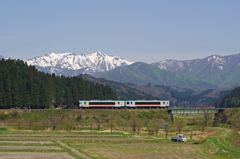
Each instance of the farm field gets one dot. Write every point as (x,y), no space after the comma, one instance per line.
(114,134)
(31,145)
(140,150)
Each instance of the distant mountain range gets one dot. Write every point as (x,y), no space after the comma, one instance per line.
(223,71)
(70,64)
(141,73)
(211,72)
(177,96)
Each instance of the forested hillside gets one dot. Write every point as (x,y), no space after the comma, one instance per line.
(124,91)
(178,96)
(141,73)
(24,86)
(230,100)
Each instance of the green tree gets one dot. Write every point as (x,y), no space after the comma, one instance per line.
(16,101)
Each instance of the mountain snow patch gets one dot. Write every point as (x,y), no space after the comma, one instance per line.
(68,64)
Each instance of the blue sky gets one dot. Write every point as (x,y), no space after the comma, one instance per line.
(136,30)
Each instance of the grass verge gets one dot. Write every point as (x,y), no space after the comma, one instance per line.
(221,144)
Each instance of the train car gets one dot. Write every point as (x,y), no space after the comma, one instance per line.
(128,104)
(147,104)
(101,104)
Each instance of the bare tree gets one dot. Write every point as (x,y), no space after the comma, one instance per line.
(15,113)
(3,116)
(70,123)
(235,120)
(112,123)
(154,125)
(70,120)
(139,125)
(180,124)
(159,122)
(20,123)
(207,117)
(54,121)
(133,123)
(151,127)
(168,128)
(99,120)
(125,114)
(202,125)
(122,122)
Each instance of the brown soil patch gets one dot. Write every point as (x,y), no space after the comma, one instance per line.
(56,135)
(30,147)
(35,155)
(63,138)
(236,143)
(28,142)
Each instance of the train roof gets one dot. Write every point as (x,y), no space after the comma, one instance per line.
(100,100)
(123,100)
(146,100)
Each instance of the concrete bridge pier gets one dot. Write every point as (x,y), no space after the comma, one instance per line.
(171,116)
(172,119)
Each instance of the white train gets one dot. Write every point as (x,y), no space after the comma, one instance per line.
(124,104)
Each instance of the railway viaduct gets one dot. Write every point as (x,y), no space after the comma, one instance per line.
(215,111)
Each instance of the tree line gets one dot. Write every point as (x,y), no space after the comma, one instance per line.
(23,86)
(230,100)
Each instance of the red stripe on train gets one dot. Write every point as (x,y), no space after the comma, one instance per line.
(147,104)
(103,104)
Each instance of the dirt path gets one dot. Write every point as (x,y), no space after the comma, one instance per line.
(73,150)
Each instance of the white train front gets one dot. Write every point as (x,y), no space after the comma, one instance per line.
(124,104)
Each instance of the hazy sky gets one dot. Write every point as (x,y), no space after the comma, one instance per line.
(136,30)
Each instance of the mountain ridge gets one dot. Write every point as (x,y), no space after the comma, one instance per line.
(214,69)
(141,73)
(71,64)
(178,96)
(222,71)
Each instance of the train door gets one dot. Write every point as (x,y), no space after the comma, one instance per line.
(130,104)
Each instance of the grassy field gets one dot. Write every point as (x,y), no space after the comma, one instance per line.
(36,144)
(89,142)
(140,149)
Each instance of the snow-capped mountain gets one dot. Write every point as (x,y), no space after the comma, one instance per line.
(214,69)
(70,64)
(211,63)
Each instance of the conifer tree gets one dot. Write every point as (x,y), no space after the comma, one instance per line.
(25,87)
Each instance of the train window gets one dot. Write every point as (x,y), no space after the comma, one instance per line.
(163,102)
(131,102)
(118,102)
(127,102)
(84,102)
(145,103)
